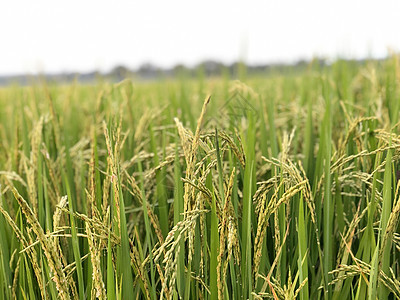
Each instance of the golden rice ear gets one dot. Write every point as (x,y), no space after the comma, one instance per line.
(49,248)
(95,257)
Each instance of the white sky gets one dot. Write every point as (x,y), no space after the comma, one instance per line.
(54,36)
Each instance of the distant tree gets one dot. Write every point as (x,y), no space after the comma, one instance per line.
(148,70)
(120,72)
(180,70)
(210,67)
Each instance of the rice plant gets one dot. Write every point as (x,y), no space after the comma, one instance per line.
(279,186)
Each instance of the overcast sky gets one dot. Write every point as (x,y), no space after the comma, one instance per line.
(84,35)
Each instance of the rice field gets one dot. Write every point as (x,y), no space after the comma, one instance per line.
(281,187)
